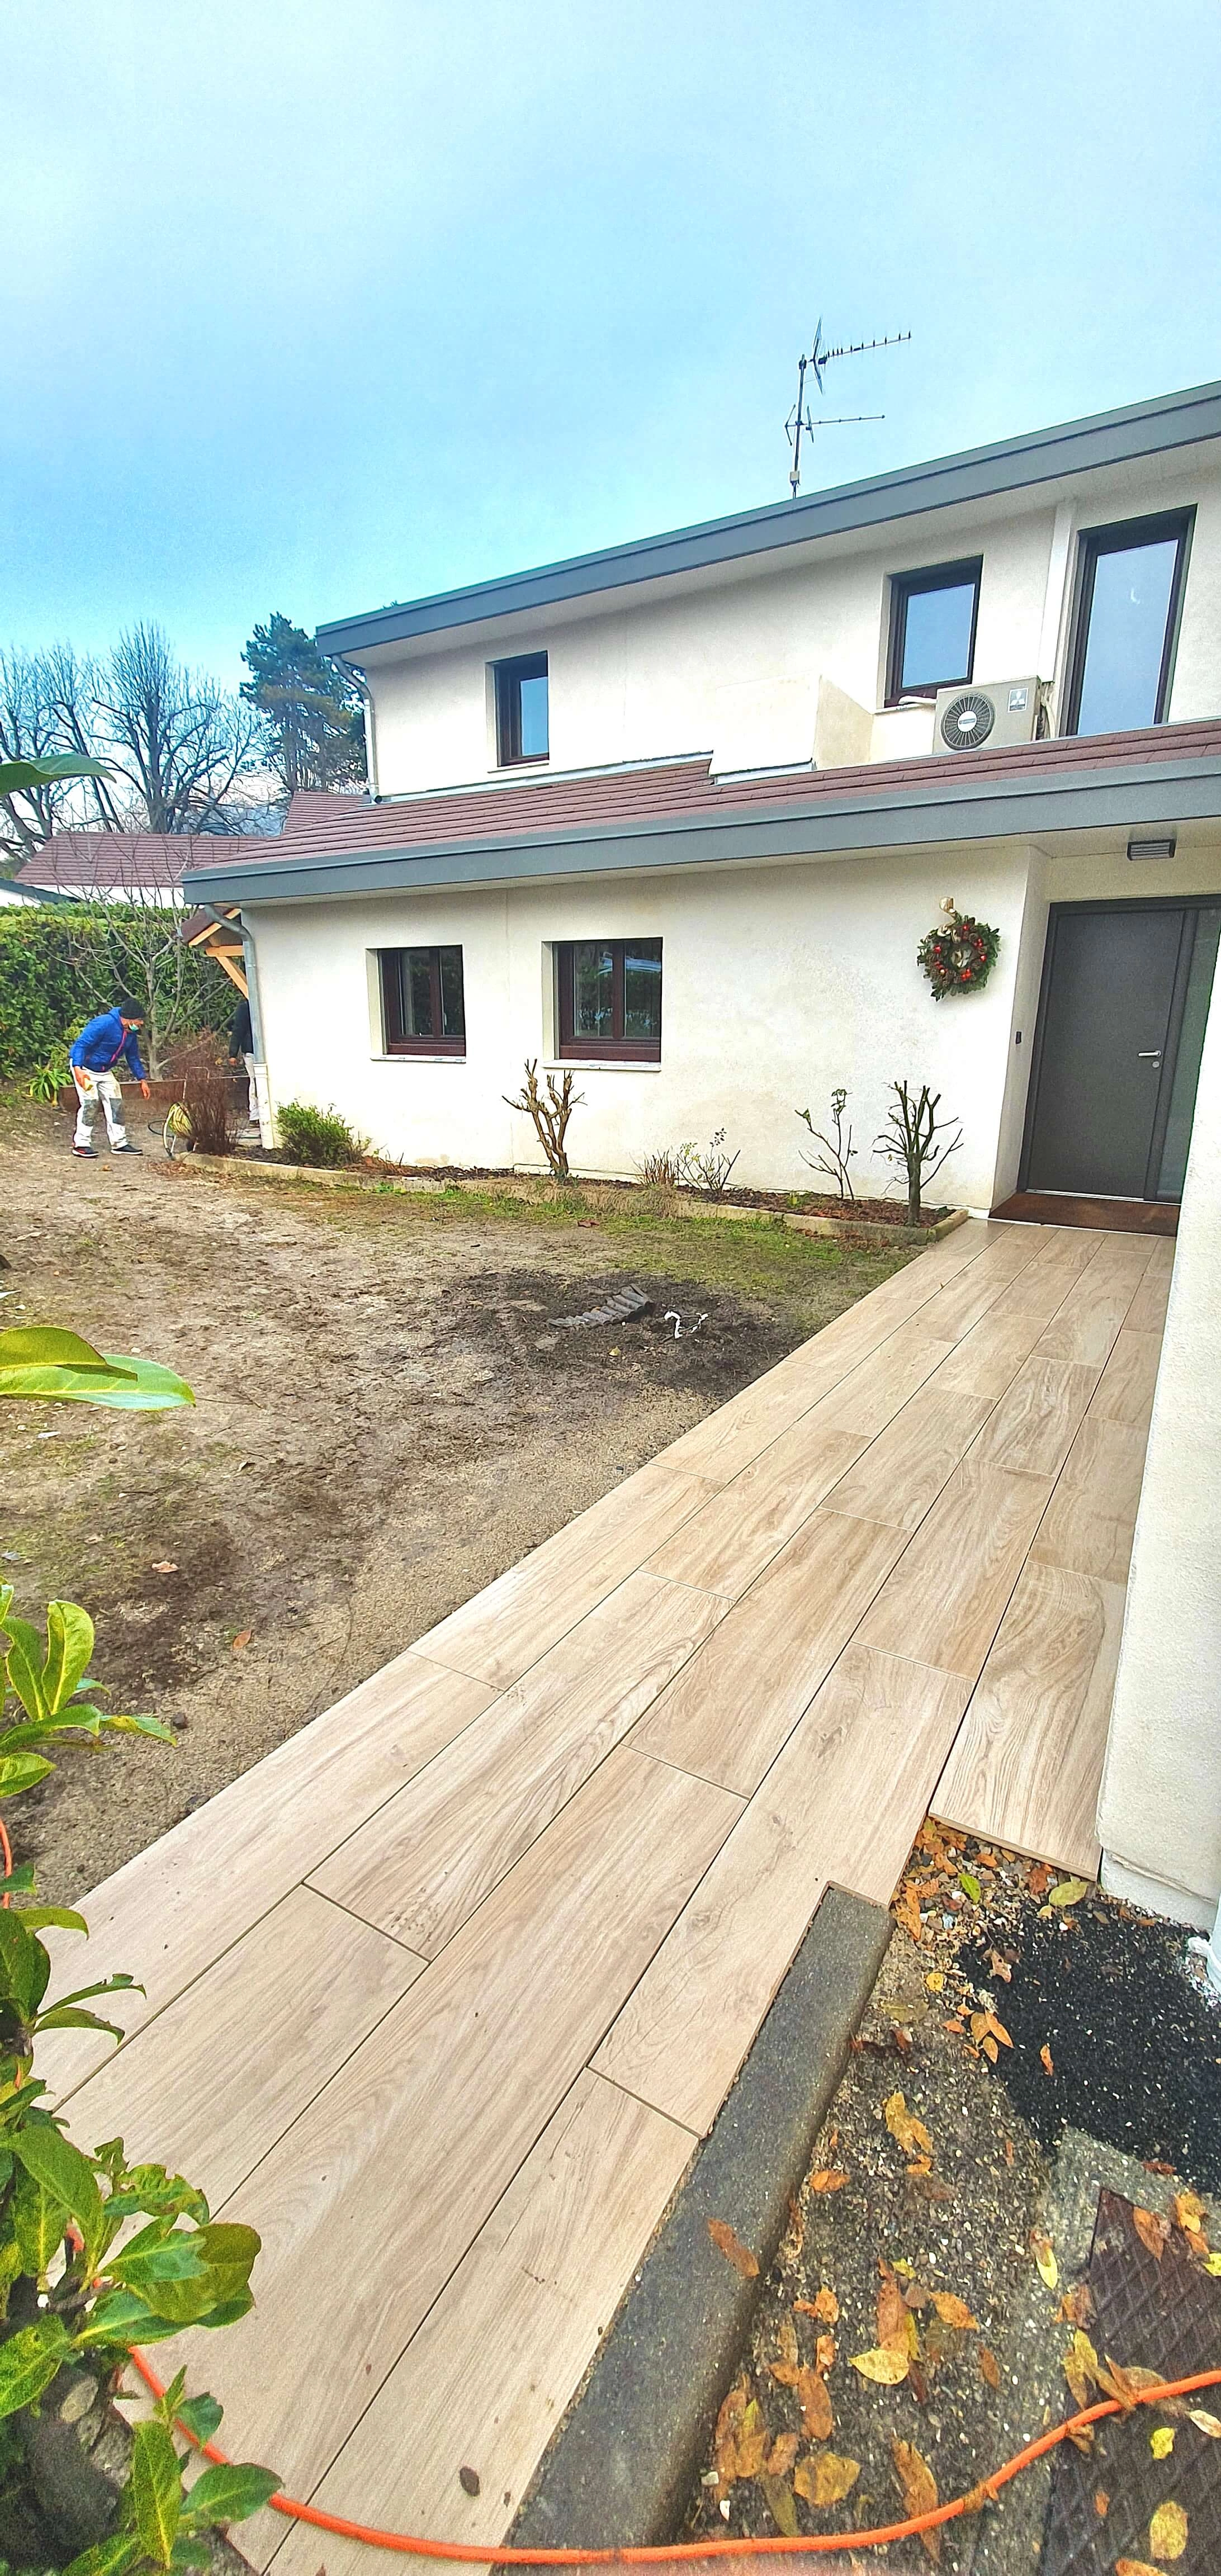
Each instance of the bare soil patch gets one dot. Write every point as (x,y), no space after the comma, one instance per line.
(386,1418)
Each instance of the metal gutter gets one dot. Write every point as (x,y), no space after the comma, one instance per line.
(970,810)
(1010,465)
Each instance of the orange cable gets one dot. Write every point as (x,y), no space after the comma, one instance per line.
(771,2545)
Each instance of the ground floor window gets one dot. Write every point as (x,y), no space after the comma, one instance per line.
(423,1007)
(610,999)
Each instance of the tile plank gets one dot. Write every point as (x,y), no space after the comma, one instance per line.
(1027,1763)
(902,1472)
(1035,1423)
(427,1858)
(177,1907)
(1125,1389)
(1089,1521)
(944,1602)
(209,2087)
(1147,1312)
(729,1712)
(727,1543)
(842,1802)
(881,1384)
(386,2179)
(548,2267)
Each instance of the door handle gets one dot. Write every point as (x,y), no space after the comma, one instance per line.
(1148,1055)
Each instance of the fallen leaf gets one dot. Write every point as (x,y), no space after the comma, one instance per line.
(1161,2441)
(782,2454)
(733,2249)
(989,2047)
(892,2312)
(1082,2438)
(1046,2060)
(919,2490)
(970,1885)
(977,2497)
(815,2403)
(929,2187)
(935,1980)
(241,1641)
(1152,2231)
(1155,2164)
(824,2354)
(1212,2265)
(1076,2307)
(1135,2567)
(166,1566)
(1048,2268)
(1081,2367)
(1000,1967)
(907,1912)
(1010,2152)
(920,2165)
(789,2363)
(955,2025)
(989,2366)
(1102,2503)
(1039,1878)
(886,2364)
(1204,2422)
(1189,2213)
(826,2479)
(1168,2531)
(825,2306)
(908,2132)
(778,2496)
(1069,1892)
(952,2311)
(829,2178)
(1125,2385)
(741,2436)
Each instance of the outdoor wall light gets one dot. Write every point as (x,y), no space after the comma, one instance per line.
(1161,848)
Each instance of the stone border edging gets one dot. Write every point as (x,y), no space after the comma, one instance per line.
(619,2470)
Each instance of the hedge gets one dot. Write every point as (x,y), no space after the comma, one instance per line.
(59,966)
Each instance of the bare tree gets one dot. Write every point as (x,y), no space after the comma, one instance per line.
(136,942)
(186,750)
(29,730)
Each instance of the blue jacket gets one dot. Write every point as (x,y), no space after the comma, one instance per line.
(102,1042)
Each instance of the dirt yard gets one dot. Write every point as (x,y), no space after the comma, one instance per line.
(386,1418)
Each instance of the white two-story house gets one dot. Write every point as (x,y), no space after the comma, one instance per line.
(678,814)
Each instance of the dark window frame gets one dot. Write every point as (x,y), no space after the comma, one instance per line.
(507,678)
(909,585)
(1114,538)
(394,1039)
(613,1050)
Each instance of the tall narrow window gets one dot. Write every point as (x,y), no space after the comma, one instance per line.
(521,709)
(423,1008)
(1129,592)
(610,999)
(932,629)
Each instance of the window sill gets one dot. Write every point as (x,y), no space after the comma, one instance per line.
(602,1064)
(449,1057)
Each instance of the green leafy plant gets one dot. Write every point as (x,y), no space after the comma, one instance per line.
(549,1113)
(318,1136)
(49,1079)
(40,1360)
(838,1149)
(77,2287)
(909,1139)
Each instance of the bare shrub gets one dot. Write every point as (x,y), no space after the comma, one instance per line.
(660,1171)
(708,1167)
(909,1140)
(207,1094)
(550,1114)
(838,1150)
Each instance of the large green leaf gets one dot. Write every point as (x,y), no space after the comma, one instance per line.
(29,2361)
(230,2494)
(122,2319)
(108,2558)
(53,2161)
(24,1965)
(156,2490)
(69,1647)
(24,1662)
(153,2258)
(39,2218)
(20,1771)
(130,1385)
(151,2189)
(18,775)
(200,2417)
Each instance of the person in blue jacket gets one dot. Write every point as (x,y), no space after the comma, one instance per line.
(103,1043)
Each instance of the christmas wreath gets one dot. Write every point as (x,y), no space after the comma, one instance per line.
(959,955)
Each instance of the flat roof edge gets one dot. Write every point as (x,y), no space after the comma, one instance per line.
(1013,464)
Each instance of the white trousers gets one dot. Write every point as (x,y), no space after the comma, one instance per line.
(248,1061)
(90,1088)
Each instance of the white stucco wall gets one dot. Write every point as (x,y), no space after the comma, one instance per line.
(729,663)
(778,983)
(1159,1814)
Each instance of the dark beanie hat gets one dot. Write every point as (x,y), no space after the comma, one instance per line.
(128,1008)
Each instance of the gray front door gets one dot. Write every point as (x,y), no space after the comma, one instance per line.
(1120,1016)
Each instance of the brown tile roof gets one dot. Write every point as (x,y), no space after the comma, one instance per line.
(320,824)
(108,862)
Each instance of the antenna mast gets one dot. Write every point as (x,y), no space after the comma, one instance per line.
(799,419)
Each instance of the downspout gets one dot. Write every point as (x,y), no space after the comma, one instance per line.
(261,1086)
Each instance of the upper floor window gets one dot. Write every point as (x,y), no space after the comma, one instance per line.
(932,629)
(423,1007)
(1129,592)
(610,999)
(521,709)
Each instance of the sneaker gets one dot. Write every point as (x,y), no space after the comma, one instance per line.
(85,1152)
(128,1149)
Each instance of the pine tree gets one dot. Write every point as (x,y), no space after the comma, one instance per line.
(311,708)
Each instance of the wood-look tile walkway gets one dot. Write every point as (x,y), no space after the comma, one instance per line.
(442,1995)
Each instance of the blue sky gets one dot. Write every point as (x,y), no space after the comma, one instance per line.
(310,306)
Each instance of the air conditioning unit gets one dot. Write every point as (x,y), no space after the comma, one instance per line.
(994,712)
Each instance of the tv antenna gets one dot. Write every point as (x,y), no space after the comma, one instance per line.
(820,357)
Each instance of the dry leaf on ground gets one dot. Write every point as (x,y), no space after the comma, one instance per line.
(166,1565)
(1204,2422)
(241,1641)
(1046,2060)
(1081,2367)
(733,2249)
(1189,2212)
(1102,2503)
(886,2364)
(1069,1892)
(825,2307)
(782,2454)
(741,2438)
(1152,2231)
(1135,2567)
(815,2404)
(989,2366)
(778,2496)
(1076,2307)
(787,2366)
(919,2490)
(1168,2532)
(952,2311)
(908,2132)
(1161,2441)
(1048,2268)
(907,1912)
(824,2353)
(826,2479)
(828,2178)
(892,2310)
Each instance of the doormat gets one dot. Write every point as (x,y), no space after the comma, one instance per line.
(1159,2312)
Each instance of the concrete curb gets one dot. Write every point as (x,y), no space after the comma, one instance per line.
(619,2470)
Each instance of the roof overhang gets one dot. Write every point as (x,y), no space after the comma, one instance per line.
(1011,465)
(948,811)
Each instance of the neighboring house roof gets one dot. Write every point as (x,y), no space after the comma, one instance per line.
(109,862)
(676,814)
(12,892)
(1011,465)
